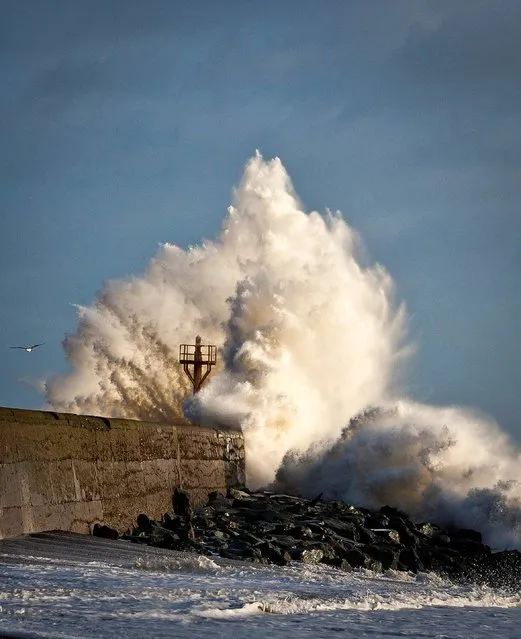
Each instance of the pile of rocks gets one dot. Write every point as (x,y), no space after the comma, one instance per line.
(264,527)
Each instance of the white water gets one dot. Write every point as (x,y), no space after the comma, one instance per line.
(308,337)
(63,586)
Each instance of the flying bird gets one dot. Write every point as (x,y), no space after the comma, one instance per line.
(28,349)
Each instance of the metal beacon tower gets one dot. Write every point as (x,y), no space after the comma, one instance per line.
(195,358)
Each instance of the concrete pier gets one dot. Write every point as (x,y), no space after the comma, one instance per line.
(60,471)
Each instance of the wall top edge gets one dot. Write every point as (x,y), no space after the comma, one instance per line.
(24,416)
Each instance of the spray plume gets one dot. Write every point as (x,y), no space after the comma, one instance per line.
(309,337)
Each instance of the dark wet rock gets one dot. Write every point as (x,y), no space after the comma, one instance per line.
(385,555)
(157,536)
(273,554)
(182,526)
(373,564)
(328,551)
(336,508)
(220,534)
(238,549)
(268,527)
(442,561)
(251,504)
(235,493)
(427,529)
(376,520)
(406,533)
(345,529)
(104,531)
(169,522)
(283,541)
(464,534)
(355,557)
(262,513)
(181,503)
(469,548)
(143,522)
(387,534)
(366,536)
(341,564)
(393,513)
(307,555)
(440,539)
(264,527)
(301,532)
(409,560)
(170,541)
(249,538)
(221,503)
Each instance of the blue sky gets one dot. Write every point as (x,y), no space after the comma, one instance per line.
(126,124)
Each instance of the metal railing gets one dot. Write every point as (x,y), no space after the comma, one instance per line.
(190,353)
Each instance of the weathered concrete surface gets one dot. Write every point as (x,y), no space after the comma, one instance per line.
(65,472)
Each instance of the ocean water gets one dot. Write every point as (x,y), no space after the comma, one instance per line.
(59,585)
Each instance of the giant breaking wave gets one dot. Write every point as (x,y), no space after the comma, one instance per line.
(311,345)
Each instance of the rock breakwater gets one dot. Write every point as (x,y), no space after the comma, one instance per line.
(264,527)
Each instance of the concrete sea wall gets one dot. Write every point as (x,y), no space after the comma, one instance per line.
(66,472)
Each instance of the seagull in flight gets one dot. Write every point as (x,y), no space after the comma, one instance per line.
(28,349)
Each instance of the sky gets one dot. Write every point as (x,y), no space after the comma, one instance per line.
(126,124)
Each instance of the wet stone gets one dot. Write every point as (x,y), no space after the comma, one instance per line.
(465,534)
(267,527)
(376,521)
(387,534)
(308,556)
(273,554)
(286,541)
(428,529)
(405,532)
(387,557)
(143,522)
(393,512)
(235,493)
(341,564)
(366,536)
(104,531)
(221,502)
(181,503)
